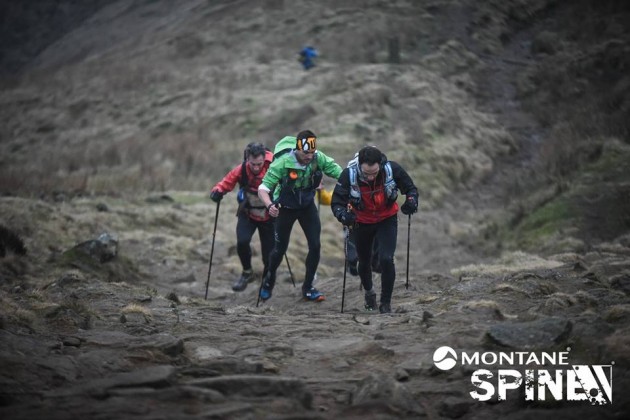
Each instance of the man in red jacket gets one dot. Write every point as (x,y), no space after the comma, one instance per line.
(365,200)
(252,213)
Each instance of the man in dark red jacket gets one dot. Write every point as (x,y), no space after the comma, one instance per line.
(252,213)
(364,199)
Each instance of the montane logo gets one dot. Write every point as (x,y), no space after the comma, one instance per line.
(589,383)
(445,358)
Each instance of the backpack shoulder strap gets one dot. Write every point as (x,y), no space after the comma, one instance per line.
(352,173)
(391,189)
(353,166)
(244,180)
(314,162)
(389,174)
(355,191)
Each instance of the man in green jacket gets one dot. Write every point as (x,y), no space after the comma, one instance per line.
(288,192)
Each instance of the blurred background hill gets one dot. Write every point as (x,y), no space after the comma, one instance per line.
(522,105)
(512,117)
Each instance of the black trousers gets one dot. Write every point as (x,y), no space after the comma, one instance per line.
(308,218)
(387,233)
(245,228)
(351,251)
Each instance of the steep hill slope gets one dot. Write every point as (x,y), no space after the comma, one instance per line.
(510,116)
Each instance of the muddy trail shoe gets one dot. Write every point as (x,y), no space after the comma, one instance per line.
(265,291)
(385,308)
(267,287)
(313,295)
(370,300)
(241,283)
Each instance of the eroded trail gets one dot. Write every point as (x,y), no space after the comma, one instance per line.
(133,338)
(151,347)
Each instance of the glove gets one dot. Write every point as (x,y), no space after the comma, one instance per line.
(410,206)
(346,217)
(216,196)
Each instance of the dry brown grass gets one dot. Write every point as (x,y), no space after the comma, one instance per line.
(489,307)
(617,314)
(134,308)
(509,288)
(508,263)
(13,313)
(565,150)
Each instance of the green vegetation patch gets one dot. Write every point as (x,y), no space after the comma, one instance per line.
(612,166)
(594,207)
(551,219)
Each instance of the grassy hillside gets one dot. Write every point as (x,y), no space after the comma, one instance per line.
(118,117)
(513,103)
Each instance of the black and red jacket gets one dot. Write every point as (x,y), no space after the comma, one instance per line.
(374,206)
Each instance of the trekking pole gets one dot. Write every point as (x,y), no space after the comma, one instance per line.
(408,241)
(345,267)
(289,267)
(261,285)
(214,233)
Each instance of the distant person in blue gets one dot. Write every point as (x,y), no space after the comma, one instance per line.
(307,56)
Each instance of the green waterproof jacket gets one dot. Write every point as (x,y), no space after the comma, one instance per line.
(294,184)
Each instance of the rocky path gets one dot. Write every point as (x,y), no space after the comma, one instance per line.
(152,347)
(133,338)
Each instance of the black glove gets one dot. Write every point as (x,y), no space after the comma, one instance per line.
(346,217)
(216,196)
(410,206)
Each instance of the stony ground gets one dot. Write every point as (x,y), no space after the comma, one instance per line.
(502,112)
(133,337)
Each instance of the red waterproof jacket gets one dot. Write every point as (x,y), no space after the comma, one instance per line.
(375,206)
(254,206)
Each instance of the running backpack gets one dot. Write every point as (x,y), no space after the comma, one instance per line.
(285,145)
(391,190)
(248,202)
(243,181)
